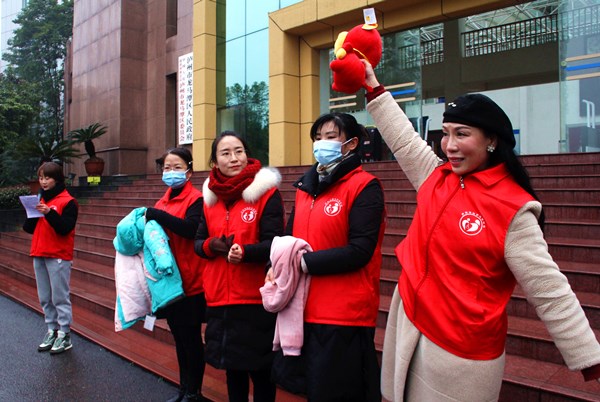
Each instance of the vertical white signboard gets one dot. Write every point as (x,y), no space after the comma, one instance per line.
(185,76)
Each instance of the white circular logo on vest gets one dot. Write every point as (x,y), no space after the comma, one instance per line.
(471,223)
(333,207)
(249,214)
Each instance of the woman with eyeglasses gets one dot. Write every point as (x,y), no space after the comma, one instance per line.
(179,212)
(243,212)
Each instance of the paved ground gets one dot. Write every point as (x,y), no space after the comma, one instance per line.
(87,372)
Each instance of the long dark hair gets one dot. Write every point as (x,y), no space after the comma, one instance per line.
(506,154)
(344,122)
(213,149)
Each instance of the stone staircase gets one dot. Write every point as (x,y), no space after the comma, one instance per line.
(568,185)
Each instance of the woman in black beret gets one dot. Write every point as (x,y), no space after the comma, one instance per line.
(476,233)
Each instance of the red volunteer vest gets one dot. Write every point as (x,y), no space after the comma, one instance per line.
(226,283)
(191,266)
(46,242)
(455,283)
(343,299)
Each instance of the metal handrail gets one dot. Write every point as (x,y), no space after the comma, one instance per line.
(515,35)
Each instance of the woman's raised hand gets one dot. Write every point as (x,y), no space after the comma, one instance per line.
(370,77)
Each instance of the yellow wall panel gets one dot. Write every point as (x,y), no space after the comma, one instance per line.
(333,8)
(306,154)
(309,93)
(205,129)
(320,39)
(462,8)
(284,98)
(205,109)
(204,81)
(309,60)
(205,20)
(204,46)
(283,52)
(296,15)
(284,144)
(201,153)
(423,13)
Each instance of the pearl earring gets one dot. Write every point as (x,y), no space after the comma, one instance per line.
(491,148)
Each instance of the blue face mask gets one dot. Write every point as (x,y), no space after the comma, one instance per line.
(328,151)
(174,179)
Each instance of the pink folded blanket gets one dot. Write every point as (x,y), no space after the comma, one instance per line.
(287,294)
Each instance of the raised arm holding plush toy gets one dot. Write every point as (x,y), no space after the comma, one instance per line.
(362,42)
(476,233)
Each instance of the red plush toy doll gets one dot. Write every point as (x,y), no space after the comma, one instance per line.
(361,42)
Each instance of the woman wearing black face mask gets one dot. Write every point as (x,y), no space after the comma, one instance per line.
(339,211)
(179,212)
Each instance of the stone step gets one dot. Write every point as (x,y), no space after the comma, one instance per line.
(132,202)
(565,168)
(93,249)
(16,256)
(568,195)
(529,338)
(561,159)
(138,191)
(86,217)
(572,229)
(590,302)
(565,181)
(580,212)
(533,380)
(100,229)
(121,209)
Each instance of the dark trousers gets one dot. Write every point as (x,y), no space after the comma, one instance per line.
(238,385)
(185,319)
(190,356)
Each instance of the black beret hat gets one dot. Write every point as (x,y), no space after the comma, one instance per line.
(478,110)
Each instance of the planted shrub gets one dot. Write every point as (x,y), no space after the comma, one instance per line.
(9,196)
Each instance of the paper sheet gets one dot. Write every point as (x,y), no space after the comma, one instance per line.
(29,202)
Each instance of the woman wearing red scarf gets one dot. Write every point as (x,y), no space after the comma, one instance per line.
(243,212)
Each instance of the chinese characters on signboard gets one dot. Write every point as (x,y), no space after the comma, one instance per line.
(185,102)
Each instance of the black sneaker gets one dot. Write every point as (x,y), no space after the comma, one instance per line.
(48,341)
(178,397)
(62,343)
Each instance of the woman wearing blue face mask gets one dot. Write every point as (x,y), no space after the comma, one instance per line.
(179,212)
(339,211)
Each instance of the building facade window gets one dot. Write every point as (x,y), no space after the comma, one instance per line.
(242,79)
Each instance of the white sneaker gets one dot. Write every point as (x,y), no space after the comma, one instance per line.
(62,343)
(48,341)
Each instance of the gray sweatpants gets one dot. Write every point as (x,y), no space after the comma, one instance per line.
(52,276)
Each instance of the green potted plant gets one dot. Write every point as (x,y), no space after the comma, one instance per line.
(36,149)
(94,165)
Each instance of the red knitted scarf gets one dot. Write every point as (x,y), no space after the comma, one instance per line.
(230,188)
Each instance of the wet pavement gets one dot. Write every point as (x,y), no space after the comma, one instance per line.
(87,372)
